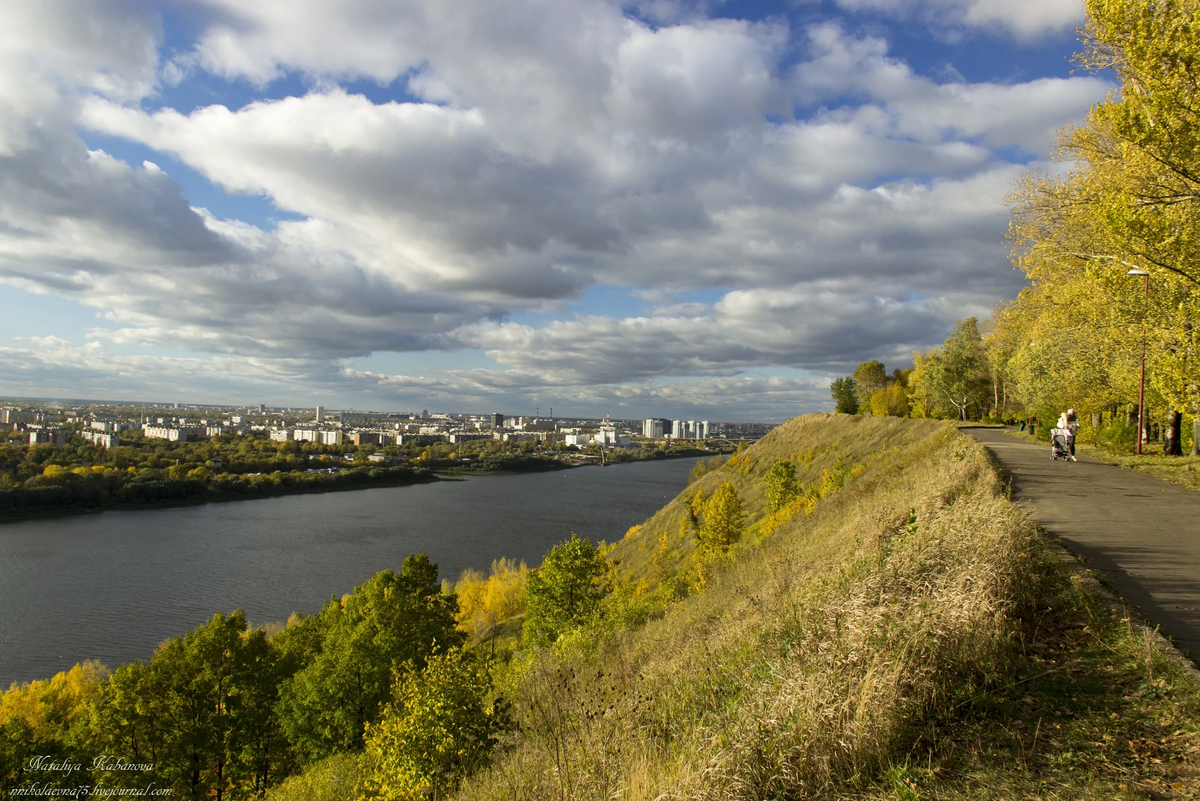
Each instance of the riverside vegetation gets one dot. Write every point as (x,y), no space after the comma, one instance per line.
(141,472)
(850,608)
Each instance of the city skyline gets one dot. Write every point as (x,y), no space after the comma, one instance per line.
(702,210)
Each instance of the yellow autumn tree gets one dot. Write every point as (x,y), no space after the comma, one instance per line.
(1130,202)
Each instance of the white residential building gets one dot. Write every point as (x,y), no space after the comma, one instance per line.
(164,432)
(101,438)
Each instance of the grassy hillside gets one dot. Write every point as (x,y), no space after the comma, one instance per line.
(901,631)
(894,629)
(911,637)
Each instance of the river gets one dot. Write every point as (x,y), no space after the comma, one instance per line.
(113,585)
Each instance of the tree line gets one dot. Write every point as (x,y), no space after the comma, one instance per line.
(1110,245)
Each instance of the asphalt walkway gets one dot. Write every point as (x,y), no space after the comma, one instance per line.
(1139,532)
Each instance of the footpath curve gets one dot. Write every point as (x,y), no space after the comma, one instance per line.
(1140,533)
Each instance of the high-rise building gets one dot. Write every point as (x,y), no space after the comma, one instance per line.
(320,414)
(497,420)
(704,432)
(652,428)
(677,429)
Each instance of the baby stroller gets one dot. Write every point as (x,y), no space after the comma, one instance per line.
(1060,444)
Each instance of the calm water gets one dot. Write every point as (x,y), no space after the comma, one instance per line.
(112,586)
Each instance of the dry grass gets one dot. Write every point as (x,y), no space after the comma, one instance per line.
(913,637)
(815,658)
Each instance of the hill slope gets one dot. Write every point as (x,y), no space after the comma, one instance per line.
(904,635)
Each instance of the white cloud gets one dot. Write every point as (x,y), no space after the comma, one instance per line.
(842,209)
(1023,19)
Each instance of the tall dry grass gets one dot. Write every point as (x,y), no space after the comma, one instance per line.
(813,656)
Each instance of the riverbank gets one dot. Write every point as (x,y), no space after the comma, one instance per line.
(424,477)
(82,497)
(84,491)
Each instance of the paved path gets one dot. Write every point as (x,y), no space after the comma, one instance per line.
(1141,533)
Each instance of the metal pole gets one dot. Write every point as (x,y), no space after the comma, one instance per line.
(1142,384)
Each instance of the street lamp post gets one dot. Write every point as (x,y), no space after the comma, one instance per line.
(1142,383)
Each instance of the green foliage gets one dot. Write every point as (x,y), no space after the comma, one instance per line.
(954,380)
(782,487)
(845,395)
(201,713)
(225,712)
(38,478)
(442,725)
(723,519)
(19,743)
(390,620)
(566,590)
(334,778)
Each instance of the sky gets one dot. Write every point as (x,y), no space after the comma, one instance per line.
(677,208)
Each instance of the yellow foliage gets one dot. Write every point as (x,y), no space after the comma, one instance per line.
(483,603)
(54,470)
(633,530)
(50,705)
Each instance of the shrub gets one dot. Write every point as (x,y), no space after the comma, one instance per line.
(441,725)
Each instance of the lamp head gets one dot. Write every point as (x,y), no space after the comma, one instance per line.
(1136,271)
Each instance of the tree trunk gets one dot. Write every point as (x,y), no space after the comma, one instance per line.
(1196,433)
(1174,442)
(1131,417)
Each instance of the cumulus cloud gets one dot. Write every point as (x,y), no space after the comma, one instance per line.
(837,209)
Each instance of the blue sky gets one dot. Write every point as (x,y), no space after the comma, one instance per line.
(669,208)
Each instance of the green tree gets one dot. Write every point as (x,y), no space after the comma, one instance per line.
(782,487)
(958,373)
(565,592)
(390,620)
(844,394)
(197,713)
(724,518)
(441,725)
